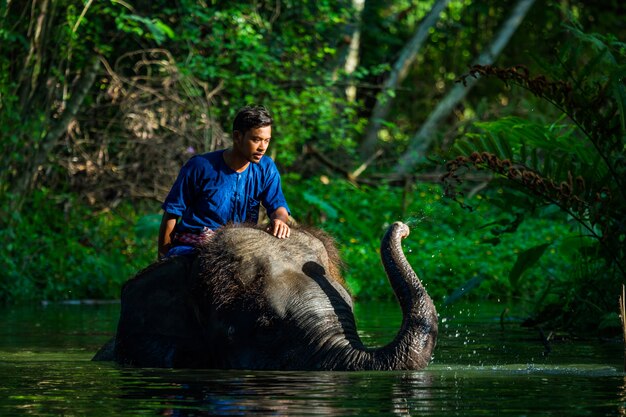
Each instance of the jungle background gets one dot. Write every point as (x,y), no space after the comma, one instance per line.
(495,129)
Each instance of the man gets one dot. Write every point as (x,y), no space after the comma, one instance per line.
(225,186)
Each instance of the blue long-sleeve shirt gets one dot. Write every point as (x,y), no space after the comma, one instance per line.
(208,193)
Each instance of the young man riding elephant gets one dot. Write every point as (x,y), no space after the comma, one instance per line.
(249,300)
(225,186)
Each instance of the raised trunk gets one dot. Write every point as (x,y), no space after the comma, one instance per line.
(413,345)
(412,348)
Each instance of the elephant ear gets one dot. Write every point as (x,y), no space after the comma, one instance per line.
(332,260)
(230,276)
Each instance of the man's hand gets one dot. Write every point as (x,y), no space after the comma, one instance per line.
(279,228)
(278,223)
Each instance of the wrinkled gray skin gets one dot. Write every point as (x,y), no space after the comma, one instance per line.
(251,301)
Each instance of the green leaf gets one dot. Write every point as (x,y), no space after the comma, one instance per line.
(561,168)
(523,152)
(463,147)
(320,204)
(534,159)
(463,289)
(165,29)
(506,148)
(574,246)
(547,170)
(591,65)
(525,260)
(610,321)
(619,93)
(157,28)
(488,144)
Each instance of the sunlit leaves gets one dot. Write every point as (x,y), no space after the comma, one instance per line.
(158,30)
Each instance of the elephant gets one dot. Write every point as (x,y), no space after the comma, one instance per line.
(248,300)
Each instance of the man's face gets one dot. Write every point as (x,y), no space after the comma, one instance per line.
(253,144)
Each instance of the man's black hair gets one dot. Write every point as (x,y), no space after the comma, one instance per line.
(251,117)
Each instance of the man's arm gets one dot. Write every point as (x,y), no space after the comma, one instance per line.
(278,225)
(168,222)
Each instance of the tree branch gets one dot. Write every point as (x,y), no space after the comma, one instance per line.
(420,143)
(24,183)
(397,75)
(381,178)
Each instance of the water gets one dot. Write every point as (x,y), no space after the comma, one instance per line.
(481,368)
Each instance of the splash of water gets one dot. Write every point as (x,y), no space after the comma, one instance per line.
(414,220)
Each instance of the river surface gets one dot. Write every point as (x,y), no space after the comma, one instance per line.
(483,366)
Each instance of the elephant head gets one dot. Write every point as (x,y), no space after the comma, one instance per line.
(251,301)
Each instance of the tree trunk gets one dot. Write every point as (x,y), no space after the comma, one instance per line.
(420,143)
(352,59)
(23,183)
(348,58)
(397,75)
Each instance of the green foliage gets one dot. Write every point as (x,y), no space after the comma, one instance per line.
(158,30)
(447,248)
(575,162)
(41,75)
(525,260)
(287,61)
(57,250)
(60,250)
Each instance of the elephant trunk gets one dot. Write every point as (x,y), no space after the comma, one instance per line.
(414,343)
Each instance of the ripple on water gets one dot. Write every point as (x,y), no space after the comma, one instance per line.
(485,370)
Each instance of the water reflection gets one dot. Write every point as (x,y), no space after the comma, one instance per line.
(480,368)
(172,392)
(412,394)
(622,398)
